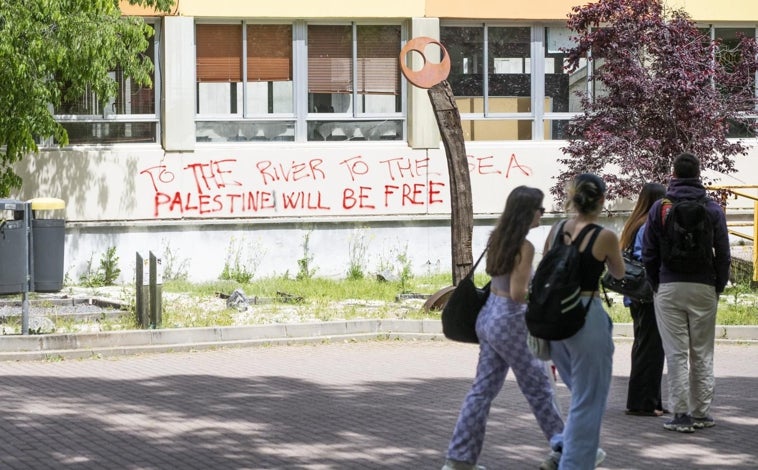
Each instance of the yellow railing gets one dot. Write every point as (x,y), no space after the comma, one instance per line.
(736,190)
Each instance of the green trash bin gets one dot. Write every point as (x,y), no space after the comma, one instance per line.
(48,236)
(13,247)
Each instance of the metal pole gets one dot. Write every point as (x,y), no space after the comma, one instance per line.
(156,283)
(141,293)
(28,270)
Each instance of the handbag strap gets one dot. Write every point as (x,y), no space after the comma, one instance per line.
(608,300)
(473,268)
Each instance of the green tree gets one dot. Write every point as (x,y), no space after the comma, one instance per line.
(662,88)
(51,51)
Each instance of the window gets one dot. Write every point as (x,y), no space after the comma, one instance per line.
(342,82)
(729,53)
(502,93)
(128,117)
(354,82)
(494,104)
(561,87)
(258,56)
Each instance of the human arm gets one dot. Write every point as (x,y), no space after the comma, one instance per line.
(522,273)
(607,248)
(722,255)
(637,250)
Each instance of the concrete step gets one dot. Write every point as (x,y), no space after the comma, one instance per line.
(102,344)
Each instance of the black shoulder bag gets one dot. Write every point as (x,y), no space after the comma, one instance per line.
(634,284)
(462,308)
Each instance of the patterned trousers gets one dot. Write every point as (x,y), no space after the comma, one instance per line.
(502,346)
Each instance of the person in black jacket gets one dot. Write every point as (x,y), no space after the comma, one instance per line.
(686,297)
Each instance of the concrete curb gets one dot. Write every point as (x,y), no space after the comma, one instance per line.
(117,343)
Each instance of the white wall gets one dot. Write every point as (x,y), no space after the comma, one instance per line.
(141,199)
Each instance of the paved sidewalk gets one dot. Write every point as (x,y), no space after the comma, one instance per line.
(339,405)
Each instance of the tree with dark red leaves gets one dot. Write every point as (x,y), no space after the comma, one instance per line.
(662,87)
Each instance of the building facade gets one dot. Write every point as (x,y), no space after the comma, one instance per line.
(277,131)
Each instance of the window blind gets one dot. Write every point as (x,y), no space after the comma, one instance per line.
(219,52)
(329,59)
(269,53)
(378,67)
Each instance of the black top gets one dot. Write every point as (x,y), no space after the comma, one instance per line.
(591,267)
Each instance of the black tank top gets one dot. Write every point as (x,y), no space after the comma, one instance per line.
(591,267)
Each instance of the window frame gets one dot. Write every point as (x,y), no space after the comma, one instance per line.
(712,27)
(301,116)
(537,116)
(114,118)
(354,115)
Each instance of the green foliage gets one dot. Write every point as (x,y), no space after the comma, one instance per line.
(241,261)
(106,273)
(405,269)
(617,311)
(357,248)
(658,92)
(159,5)
(399,264)
(51,51)
(109,267)
(738,305)
(304,269)
(173,267)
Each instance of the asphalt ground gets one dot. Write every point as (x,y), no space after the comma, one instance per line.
(334,405)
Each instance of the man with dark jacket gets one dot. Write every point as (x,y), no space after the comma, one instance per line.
(686,297)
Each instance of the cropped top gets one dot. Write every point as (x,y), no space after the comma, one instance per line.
(501,283)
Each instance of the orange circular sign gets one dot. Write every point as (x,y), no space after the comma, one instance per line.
(431,73)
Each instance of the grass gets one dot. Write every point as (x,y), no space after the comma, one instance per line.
(288,300)
(369,298)
(738,305)
(316,288)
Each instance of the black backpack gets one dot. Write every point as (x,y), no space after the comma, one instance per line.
(687,238)
(554,306)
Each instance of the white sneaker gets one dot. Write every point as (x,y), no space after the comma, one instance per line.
(551,463)
(599,457)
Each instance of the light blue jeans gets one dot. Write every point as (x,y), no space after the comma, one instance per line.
(585,363)
(502,346)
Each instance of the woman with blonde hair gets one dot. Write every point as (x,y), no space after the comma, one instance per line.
(585,359)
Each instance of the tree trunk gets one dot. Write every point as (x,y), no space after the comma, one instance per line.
(461,207)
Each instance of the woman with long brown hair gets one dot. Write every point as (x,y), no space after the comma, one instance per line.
(644,393)
(501,329)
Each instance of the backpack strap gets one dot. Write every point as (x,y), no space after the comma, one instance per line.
(596,229)
(666,204)
(578,240)
(559,233)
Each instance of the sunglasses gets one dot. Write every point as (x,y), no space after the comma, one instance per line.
(542,210)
